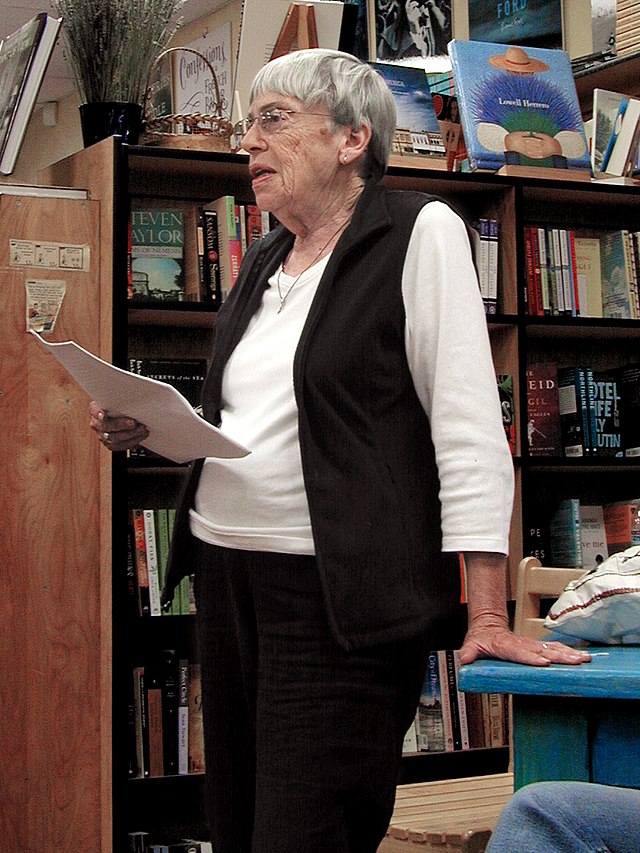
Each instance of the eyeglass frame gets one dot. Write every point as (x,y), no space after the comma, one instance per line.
(242,127)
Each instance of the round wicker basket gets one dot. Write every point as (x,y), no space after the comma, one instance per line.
(189,131)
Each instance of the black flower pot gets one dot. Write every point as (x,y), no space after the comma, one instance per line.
(109,118)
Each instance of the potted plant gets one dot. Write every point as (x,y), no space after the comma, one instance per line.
(112,46)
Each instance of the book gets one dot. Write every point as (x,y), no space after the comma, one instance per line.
(605,399)
(565,537)
(608,108)
(140,552)
(170,693)
(157,254)
(507,405)
(141,721)
(537,23)
(448,114)
(461,700)
(151,554)
(628,379)
(587,251)
(454,706)
(153,689)
(445,701)
(624,149)
(430,723)
(211,257)
(574,411)
(615,275)
(518,106)
(622,525)
(593,535)
(543,410)
(410,741)
(196,731)
(24,56)
(183,716)
(229,247)
(416,119)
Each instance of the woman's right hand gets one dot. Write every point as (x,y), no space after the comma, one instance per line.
(118,432)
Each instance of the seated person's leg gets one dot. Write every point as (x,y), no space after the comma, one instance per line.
(569,817)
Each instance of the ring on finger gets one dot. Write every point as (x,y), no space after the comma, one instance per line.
(105,437)
(545,645)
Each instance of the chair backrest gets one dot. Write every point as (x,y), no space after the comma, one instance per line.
(534,582)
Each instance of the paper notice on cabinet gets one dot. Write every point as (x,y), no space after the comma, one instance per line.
(176,431)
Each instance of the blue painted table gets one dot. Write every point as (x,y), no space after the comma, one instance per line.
(570,722)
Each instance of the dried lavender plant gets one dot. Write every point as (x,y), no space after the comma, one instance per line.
(113,44)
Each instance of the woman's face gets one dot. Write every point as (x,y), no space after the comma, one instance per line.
(294,160)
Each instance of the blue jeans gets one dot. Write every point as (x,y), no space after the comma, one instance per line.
(569,817)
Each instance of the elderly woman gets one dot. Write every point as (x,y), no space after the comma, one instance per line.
(352,358)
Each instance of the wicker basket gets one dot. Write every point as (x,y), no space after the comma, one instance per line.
(191,131)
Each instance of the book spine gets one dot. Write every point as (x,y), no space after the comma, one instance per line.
(142,727)
(152,562)
(445,701)
(573,270)
(530,276)
(547,307)
(461,700)
(153,686)
(144,598)
(494,230)
(572,396)
(211,252)
(170,712)
(183,716)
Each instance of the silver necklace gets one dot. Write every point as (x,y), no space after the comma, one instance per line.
(282,296)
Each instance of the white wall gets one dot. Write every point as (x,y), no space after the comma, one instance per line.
(45,145)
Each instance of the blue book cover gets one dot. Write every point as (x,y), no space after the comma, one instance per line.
(537,23)
(416,114)
(518,106)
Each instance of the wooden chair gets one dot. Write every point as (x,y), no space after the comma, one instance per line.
(535,582)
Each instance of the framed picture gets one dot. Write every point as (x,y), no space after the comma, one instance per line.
(410,29)
(534,23)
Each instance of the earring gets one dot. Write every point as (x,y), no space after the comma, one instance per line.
(344,158)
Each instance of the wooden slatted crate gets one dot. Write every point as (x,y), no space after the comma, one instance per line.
(454,815)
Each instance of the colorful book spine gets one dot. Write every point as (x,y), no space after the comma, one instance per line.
(574,411)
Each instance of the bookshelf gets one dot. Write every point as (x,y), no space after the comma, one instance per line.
(117,174)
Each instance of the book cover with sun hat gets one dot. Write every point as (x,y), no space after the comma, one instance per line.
(518,106)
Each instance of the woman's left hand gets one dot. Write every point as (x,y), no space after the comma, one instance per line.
(496,641)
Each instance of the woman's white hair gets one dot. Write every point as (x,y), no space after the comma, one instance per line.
(349,89)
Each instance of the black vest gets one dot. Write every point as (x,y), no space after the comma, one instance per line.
(367,455)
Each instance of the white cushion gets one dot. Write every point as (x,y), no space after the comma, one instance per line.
(603,604)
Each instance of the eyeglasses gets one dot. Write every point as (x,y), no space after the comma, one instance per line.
(269,121)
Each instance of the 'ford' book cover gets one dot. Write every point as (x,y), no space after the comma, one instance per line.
(518,106)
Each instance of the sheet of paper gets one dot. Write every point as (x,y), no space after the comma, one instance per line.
(176,431)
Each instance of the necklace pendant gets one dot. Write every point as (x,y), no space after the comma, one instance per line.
(281,306)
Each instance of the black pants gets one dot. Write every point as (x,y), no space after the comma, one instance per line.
(302,739)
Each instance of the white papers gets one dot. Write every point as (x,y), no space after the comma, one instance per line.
(175,430)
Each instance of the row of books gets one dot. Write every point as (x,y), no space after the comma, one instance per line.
(627,26)
(577,533)
(484,235)
(573,274)
(147,555)
(580,412)
(447,719)
(160,270)
(165,717)
(187,375)
(139,843)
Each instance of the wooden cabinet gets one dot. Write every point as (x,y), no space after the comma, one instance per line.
(117,175)
(55,506)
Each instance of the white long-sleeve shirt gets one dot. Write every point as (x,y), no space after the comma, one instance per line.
(259,502)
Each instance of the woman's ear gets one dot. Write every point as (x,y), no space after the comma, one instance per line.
(355,143)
